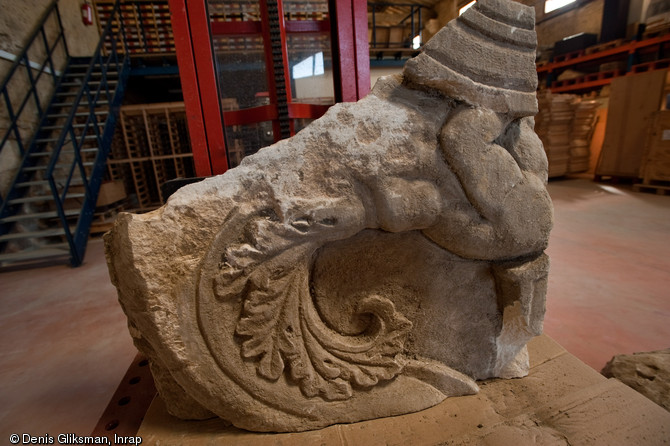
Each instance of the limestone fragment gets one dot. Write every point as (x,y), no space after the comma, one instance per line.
(381,260)
(647,372)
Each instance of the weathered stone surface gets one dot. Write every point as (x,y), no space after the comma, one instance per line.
(485,58)
(648,373)
(372,265)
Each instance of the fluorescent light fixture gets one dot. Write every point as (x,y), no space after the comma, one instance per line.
(466,7)
(552,5)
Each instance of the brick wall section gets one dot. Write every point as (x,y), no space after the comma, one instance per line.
(587,19)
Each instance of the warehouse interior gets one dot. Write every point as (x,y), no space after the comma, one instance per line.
(603,94)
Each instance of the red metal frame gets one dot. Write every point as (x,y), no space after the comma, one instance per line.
(190,87)
(307,26)
(196,68)
(191,27)
(309,111)
(227,28)
(351,56)
(251,115)
(362,47)
(251,27)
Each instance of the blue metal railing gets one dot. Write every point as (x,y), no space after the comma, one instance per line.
(28,110)
(75,128)
(109,60)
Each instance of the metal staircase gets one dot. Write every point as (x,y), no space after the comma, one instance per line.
(47,210)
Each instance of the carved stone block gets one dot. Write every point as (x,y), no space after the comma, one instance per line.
(381,260)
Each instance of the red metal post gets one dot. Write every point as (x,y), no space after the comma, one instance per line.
(351,61)
(344,61)
(361,46)
(190,87)
(190,25)
(209,91)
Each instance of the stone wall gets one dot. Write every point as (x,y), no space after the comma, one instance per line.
(586,18)
(16,24)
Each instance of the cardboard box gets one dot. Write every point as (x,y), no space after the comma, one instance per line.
(396,37)
(562,401)
(110,192)
(381,36)
(656,162)
(633,100)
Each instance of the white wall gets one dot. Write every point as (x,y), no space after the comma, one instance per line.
(320,86)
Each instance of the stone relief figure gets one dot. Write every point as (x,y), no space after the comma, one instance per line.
(381,260)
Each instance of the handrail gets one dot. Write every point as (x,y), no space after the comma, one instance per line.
(15,107)
(30,39)
(105,58)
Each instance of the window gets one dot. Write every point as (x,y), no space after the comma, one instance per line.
(552,5)
(312,66)
(466,7)
(416,42)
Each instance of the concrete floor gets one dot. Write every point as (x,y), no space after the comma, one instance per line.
(65,346)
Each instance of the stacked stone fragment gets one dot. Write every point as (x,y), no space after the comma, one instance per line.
(583,125)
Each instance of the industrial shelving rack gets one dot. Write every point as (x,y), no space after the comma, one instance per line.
(148,26)
(625,57)
(151,147)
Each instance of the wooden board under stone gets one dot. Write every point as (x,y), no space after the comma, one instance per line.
(562,401)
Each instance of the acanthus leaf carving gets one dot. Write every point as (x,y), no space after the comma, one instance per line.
(283,332)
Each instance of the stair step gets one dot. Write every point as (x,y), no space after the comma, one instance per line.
(77,84)
(84,150)
(32,183)
(56,250)
(79,65)
(58,166)
(43,140)
(76,126)
(34,169)
(96,70)
(41,198)
(82,103)
(54,232)
(82,114)
(39,215)
(44,183)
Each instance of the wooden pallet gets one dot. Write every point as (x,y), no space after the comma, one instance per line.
(568,56)
(593,77)
(650,66)
(656,31)
(604,46)
(655,188)
(152,148)
(616,179)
